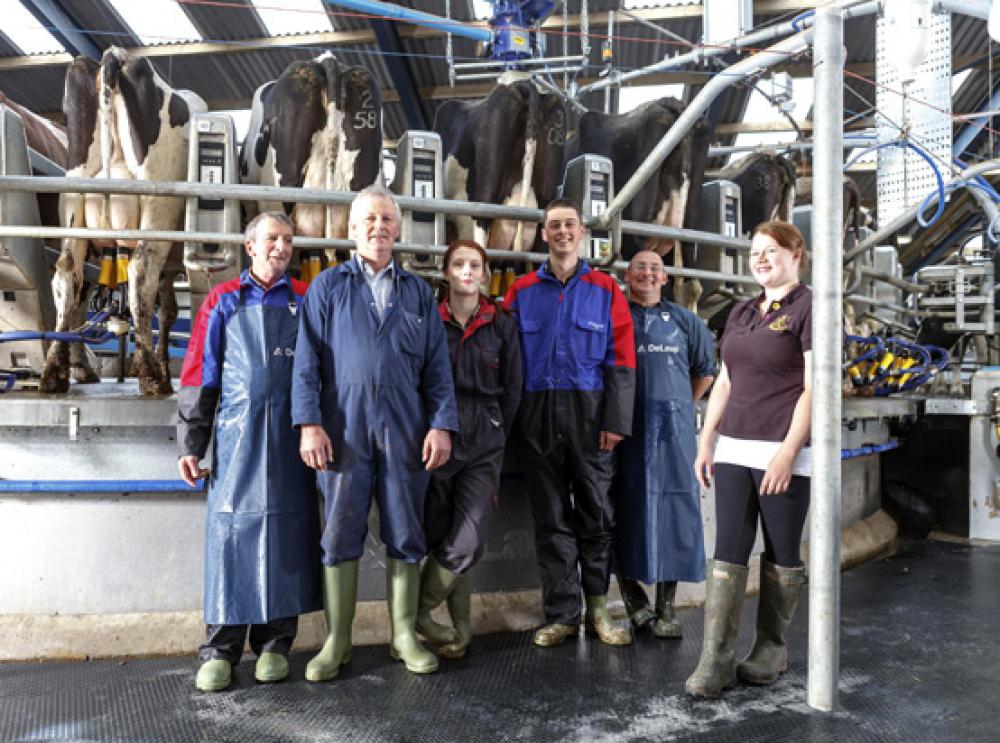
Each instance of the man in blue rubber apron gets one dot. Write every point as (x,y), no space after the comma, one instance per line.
(262,529)
(374,402)
(658,529)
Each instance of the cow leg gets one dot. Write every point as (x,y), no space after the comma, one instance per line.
(80,367)
(144,275)
(67,292)
(166,316)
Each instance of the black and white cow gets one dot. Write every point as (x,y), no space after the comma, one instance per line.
(507,149)
(124,121)
(319,125)
(767,185)
(670,197)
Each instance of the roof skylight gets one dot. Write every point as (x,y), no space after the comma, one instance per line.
(157,21)
(283,17)
(635,95)
(759,111)
(24,30)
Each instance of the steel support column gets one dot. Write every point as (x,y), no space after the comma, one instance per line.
(51,15)
(400,72)
(827,333)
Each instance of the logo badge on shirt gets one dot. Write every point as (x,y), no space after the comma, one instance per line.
(781,324)
(293,307)
(665,316)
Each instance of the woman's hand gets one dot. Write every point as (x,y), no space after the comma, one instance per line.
(704,466)
(778,475)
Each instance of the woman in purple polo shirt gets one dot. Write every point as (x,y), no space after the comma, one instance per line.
(754,443)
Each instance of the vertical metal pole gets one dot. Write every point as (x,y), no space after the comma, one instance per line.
(827,340)
(607,90)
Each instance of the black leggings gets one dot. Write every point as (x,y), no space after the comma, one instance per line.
(737,504)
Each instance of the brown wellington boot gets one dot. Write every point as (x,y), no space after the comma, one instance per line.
(598,620)
(725,587)
(779,597)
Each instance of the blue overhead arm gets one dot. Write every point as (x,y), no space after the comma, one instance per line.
(388,11)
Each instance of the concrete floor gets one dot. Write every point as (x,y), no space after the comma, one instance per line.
(919,662)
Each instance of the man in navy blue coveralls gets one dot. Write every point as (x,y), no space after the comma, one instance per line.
(373,398)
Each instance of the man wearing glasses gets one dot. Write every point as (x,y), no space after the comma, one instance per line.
(579,383)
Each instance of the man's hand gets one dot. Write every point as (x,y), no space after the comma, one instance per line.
(315,447)
(437,448)
(704,466)
(190,471)
(609,440)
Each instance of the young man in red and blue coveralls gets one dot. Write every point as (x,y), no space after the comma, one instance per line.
(579,386)
(262,530)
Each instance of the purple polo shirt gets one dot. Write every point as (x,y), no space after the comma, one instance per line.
(763,353)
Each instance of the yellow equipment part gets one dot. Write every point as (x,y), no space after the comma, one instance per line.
(107,277)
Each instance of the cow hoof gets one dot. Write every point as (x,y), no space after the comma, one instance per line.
(84,375)
(53,382)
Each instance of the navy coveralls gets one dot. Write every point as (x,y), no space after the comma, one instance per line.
(486,366)
(377,387)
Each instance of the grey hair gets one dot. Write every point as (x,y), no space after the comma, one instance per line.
(251,231)
(374,191)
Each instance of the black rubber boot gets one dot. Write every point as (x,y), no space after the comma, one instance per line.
(725,588)
(340,593)
(636,602)
(436,584)
(779,596)
(666,624)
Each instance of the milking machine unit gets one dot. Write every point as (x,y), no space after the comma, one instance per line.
(589,181)
(418,174)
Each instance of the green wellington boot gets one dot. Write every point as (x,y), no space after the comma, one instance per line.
(402,592)
(666,624)
(598,620)
(214,675)
(725,587)
(779,596)
(271,667)
(460,608)
(340,593)
(636,602)
(436,583)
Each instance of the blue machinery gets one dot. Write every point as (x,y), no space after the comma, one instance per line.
(513,33)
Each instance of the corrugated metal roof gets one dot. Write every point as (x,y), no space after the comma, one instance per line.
(229,79)
(236,19)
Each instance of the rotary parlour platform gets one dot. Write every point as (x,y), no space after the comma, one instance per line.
(918,662)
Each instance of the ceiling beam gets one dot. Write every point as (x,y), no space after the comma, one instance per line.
(401,74)
(64,28)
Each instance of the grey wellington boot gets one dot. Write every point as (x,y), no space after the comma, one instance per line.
(725,587)
(636,602)
(436,584)
(460,608)
(779,596)
(666,624)
(340,593)
(403,593)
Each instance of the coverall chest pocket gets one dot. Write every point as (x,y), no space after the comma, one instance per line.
(408,335)
(592,337)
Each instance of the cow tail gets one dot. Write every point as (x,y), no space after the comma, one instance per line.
(532,129)
(333,92)
(110,71)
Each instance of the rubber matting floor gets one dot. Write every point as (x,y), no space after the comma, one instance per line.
(919,662)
